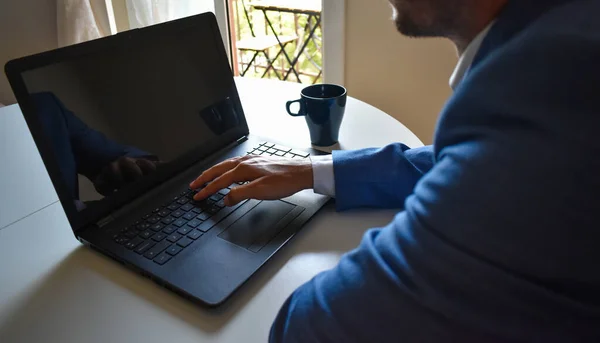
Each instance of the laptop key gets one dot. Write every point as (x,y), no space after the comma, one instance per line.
(156,210)
(189,216)
(197,210)
(174,237)
(205,203)
(195,234)
(159,236)
(209,223)
(121,239)
(130,234)
(169,230)
(282,148)
(146,216)
(179,222)
(224,191)
(162,258)
(153,219)
(183,201)
(220,203)
(187,207)
(164,212)
(185,241)
(269,145)
(300,153)
(184,230)
(271,151)
(146,234)
(167,220)
(213,209)
(173,206)
(174,250)
(144,246)
(134,243)
(157,249)
(203,216)
(194,223)
(279,153)
(142,226)
(157,227)
(177,213)
(216,197)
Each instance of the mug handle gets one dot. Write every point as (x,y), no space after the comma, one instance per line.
(289,110)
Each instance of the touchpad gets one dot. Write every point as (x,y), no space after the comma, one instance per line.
(260,224)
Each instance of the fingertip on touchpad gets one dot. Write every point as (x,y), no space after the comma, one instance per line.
(258,226)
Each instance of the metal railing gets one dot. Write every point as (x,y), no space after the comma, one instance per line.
(267,24)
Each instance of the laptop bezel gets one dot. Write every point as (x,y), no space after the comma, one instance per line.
(14,70)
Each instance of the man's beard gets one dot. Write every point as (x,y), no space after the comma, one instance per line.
(434,19)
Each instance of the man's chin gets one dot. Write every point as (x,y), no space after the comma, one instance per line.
(403,25)
(407,27)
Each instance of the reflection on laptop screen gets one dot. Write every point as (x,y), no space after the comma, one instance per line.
(115,116)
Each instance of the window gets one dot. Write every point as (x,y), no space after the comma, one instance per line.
(292,40)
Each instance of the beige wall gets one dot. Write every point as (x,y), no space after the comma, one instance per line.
(26,27)
(407,78)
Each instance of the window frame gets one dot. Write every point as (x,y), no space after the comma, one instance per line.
(333,19)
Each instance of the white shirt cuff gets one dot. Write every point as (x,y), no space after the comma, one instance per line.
(323,180)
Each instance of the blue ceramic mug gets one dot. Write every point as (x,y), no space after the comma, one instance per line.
(323,107)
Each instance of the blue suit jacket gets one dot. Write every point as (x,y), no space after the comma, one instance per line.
(499,237)
(77,148)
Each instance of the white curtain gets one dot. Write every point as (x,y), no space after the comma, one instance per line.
(81,20)
(149,12)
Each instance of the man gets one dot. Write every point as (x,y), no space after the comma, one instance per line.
(498,236)
(82,150)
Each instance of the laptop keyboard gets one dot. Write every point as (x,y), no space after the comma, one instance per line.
(270,149)
(179,222)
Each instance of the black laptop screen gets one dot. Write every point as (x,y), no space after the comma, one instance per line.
(154,101)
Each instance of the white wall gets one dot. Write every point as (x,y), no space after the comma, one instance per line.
(26,27)
(406,78)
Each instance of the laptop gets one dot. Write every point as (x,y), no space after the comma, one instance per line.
(124,124)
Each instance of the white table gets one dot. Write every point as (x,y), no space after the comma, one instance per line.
(54,290)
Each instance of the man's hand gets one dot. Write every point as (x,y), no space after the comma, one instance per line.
(270,178)
(121,172)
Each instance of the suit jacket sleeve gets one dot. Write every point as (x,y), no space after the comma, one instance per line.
(379,178)
(499,241)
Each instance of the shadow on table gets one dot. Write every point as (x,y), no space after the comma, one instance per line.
(73,280)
